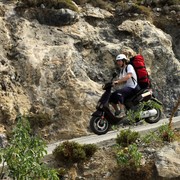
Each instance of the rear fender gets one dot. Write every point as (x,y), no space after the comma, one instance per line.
(156,100)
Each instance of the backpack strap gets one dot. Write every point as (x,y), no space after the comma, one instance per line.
(131,77)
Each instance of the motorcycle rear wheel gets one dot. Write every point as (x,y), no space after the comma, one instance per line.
(154,119)
(99,126)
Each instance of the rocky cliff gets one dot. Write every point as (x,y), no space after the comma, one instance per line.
(53,62)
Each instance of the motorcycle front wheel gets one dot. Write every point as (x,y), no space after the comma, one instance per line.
(99,126)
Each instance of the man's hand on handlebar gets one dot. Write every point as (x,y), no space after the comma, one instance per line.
(115,83)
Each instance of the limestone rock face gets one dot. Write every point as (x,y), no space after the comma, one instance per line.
(59,69)
(168,161)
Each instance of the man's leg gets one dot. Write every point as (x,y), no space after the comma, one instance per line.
(122,107)
(114,101)
(116,108)
(122,95)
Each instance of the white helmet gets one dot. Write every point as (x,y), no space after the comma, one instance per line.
(121,57)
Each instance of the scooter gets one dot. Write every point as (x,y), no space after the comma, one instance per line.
(103,118)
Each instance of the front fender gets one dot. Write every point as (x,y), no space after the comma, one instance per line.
(97,113)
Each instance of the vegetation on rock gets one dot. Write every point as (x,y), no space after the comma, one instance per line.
(23,155)
(73,152)
(127,137)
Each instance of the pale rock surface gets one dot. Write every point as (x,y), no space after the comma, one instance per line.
(168,161)
(60,69)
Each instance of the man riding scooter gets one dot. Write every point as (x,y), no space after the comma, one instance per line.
(128,79)
(128,97)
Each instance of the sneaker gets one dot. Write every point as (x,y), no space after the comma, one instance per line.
(117,112)
(122,114)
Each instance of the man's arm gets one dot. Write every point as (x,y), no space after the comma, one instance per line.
(124,79)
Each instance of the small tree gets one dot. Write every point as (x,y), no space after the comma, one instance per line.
(24,153)
(173,112)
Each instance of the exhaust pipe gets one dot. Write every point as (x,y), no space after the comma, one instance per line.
(149,113)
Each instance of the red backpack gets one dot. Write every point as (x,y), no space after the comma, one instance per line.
(142,75)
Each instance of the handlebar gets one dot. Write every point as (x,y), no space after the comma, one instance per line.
(109,84)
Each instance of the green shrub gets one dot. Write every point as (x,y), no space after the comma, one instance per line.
(80,2)
(127,137)
(135,115)
(159,3)
(173,2)
(151,137)
(166,133)
(56,4)
(69,151)
(62,172)
(129,157)
(73,152)
(163,133)
(141,10)
(23,154)
(168,2)
(123,5)
(89,149)
(39,120)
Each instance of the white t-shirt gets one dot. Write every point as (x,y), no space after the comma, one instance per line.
(131,82)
